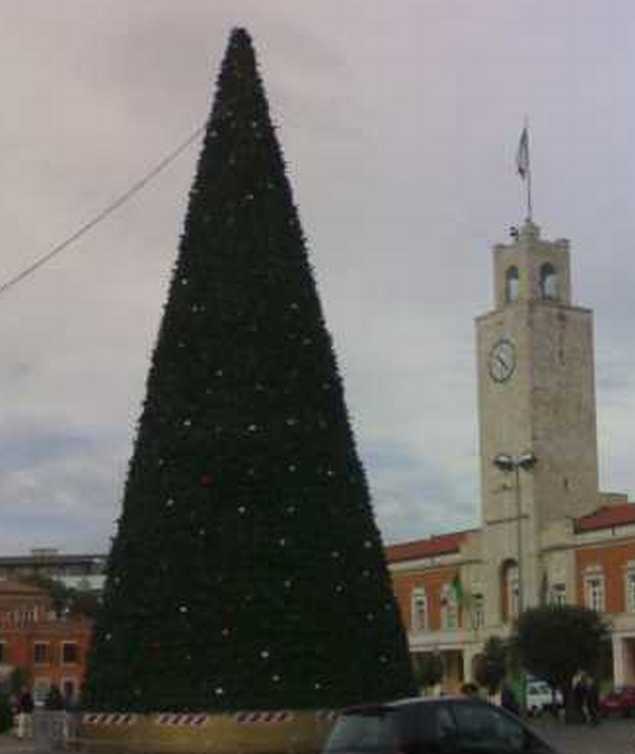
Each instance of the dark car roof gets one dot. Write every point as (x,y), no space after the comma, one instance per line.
(397,703)
(381,708)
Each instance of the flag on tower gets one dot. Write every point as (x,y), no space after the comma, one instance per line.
(457,588)
(522,155)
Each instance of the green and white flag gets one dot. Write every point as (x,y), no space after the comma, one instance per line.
(460,597)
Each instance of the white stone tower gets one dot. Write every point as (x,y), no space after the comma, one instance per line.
(535,395)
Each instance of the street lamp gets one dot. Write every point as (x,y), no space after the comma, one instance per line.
(508,463)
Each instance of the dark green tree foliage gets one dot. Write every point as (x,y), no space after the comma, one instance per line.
(554,642)
(54,699)
(491,665)
(66,600)
(247,571)
(6,714)
(19,677)
(60,594)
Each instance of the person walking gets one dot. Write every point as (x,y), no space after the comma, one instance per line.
(469,689)
(580,694)
(593,702)
(25,712)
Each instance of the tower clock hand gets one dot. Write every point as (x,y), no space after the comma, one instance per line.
(502,360)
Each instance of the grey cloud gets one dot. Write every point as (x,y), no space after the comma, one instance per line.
(414,497)
(399,123)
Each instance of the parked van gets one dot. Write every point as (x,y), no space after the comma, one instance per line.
(540,697)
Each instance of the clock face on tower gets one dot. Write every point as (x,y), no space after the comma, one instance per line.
(502,360)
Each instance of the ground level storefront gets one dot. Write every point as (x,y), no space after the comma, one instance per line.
(616,668)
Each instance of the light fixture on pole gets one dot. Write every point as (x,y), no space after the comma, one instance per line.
(508,463)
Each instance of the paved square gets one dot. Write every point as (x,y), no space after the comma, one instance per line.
(609,737)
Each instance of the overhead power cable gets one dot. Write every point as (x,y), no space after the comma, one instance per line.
(134,189)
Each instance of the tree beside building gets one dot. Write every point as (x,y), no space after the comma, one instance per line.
(555,642)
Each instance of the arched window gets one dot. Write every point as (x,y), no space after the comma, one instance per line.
(548,281)
(510,593)
(513,591)
(449,608)
(511,284)
(419,610)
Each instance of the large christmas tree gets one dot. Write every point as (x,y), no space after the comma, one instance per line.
(247,571)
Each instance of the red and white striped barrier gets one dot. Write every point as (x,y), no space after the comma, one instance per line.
(280,716)
(181,719)
(109,718)
(193,720)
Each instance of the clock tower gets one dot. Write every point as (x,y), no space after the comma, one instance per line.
(536,396)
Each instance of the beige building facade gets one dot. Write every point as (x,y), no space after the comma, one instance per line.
(547,533)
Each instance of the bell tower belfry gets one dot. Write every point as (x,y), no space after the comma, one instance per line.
(535,395)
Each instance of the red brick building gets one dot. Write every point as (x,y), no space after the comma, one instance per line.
(592,563)
(51,650)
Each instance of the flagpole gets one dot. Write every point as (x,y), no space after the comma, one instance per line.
(529,208)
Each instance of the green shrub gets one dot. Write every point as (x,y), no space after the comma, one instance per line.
(6,714)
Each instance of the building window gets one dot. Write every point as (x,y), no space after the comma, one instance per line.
(511,284)
(30,615)
(558,594)
(512,591)
(70,652)
(419,610)
(594,590)
(548,281)
(449,609)
(478,611)
(630,588)
(40,653)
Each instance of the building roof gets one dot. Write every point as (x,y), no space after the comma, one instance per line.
(443,544)
(8,587)
(607,517)
(50,558)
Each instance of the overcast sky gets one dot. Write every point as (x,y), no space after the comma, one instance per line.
(400,122)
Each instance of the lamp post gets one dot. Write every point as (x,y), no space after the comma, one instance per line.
(508,463)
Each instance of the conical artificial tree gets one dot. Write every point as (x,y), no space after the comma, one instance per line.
(247,571)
